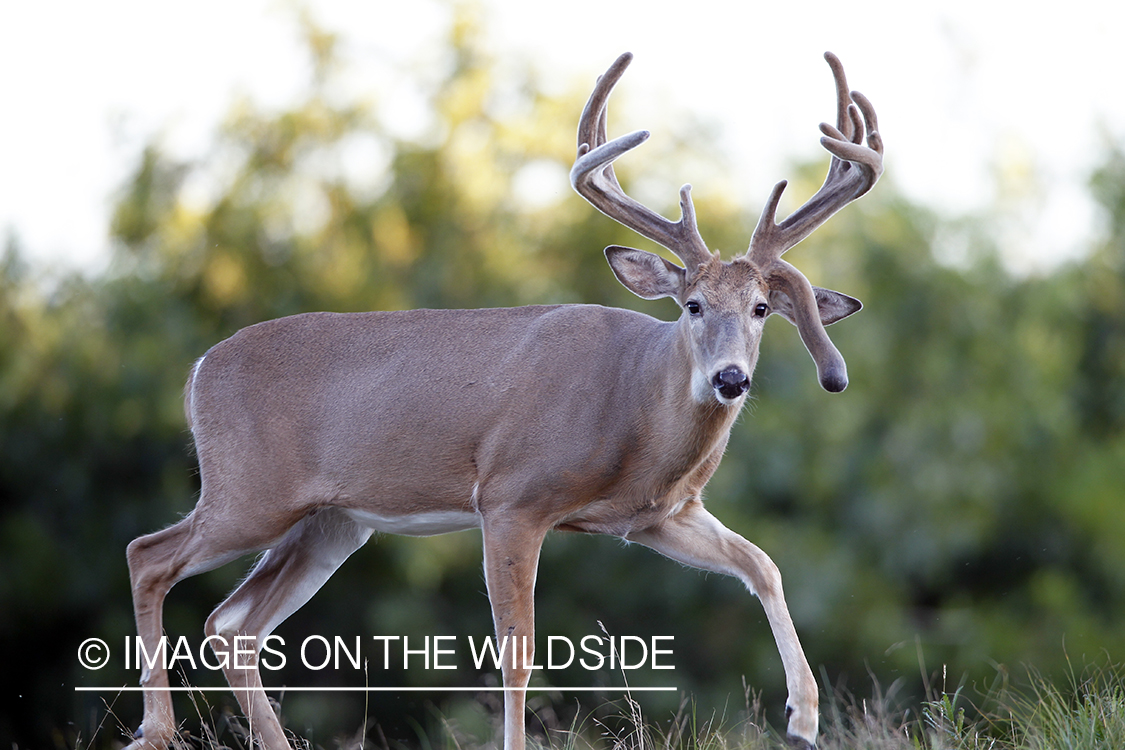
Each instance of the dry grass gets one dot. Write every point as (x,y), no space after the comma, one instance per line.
(1085,712)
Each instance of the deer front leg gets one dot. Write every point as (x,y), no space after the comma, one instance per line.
(511,558)
(695,537)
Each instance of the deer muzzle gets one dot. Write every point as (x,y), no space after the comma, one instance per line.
(731,382)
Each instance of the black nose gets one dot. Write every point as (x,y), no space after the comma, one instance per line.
(731,382)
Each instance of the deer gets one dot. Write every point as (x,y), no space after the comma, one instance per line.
(316,430)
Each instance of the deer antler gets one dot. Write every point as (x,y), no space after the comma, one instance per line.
(593,178)
(853,171)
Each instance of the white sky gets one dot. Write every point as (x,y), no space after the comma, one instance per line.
(965,89)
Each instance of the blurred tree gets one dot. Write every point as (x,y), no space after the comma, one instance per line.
(962,499)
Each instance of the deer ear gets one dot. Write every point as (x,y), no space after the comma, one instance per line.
(831,305)
(645,274)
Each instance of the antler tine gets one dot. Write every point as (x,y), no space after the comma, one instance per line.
(593,178)
(592,125)
(853,171)
(844,111)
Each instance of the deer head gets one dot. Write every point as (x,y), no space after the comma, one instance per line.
(725,304)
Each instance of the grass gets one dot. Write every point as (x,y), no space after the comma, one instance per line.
(1085,712)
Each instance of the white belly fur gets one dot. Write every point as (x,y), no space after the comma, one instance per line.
(418,524)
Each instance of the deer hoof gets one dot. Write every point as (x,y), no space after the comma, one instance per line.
(798,743)
(150,742)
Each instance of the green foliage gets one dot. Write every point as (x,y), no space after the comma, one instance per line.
(963,496)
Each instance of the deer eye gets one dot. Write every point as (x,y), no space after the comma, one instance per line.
(761,310)
(693,307)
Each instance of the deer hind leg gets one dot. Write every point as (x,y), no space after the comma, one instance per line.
(283,580)
(156,563)
(694,537)
(511,559)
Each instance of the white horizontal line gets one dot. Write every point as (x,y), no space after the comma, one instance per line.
(314,689)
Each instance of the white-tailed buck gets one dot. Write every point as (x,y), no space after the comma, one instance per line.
(315,430)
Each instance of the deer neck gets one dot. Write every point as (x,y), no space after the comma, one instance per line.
(694,420)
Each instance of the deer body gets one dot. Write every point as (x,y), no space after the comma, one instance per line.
(322,410)
(316,430)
